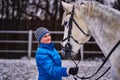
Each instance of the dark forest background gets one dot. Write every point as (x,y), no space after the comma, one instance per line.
(24,15)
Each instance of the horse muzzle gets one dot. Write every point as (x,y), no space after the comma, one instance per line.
(66,51)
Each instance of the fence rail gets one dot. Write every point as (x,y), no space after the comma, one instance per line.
(30,41)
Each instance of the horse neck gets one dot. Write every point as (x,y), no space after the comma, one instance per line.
(105,29)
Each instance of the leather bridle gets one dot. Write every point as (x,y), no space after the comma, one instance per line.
(68,46)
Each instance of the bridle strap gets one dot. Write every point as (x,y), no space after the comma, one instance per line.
(70,24)
(70,28)
(80,28)
(76,41)
(73,39)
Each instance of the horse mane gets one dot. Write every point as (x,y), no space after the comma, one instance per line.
(99,10)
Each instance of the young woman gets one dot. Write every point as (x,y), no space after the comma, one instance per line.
(48,59)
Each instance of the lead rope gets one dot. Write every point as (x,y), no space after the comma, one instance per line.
(76,64)
(68,47)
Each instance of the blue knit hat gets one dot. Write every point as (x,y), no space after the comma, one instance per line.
(40,32)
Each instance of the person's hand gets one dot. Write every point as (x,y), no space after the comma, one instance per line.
(73,70)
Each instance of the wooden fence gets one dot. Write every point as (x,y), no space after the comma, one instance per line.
(30,41)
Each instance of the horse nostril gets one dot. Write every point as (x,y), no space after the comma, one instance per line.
(81,3)
(62,52)
(68,46)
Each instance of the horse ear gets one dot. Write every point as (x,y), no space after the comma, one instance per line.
(66,6)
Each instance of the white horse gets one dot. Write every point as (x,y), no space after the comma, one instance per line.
(97,20)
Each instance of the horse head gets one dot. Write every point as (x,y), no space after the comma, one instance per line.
(76,32)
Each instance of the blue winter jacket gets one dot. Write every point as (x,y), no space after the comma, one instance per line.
(49,63)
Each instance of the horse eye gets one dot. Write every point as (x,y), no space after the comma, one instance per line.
(65,23)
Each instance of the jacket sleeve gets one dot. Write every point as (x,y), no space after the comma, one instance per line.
(47,64)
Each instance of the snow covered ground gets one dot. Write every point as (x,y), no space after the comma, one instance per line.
(22,69)
(25,69)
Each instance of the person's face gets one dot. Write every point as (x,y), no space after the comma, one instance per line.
(46,38)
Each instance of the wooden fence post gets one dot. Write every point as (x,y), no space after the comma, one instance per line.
(29,44)
(82,52)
